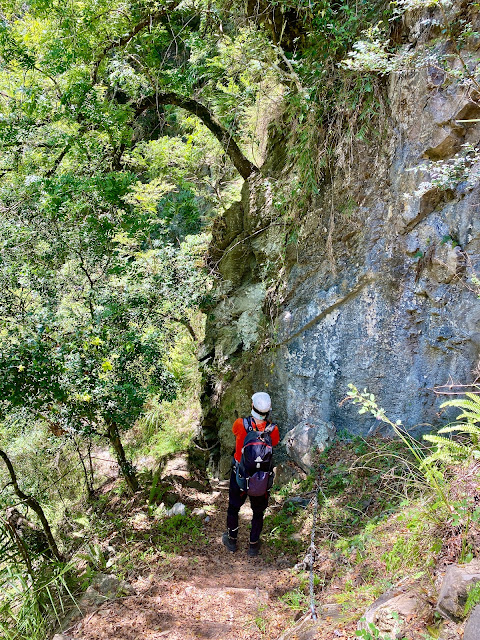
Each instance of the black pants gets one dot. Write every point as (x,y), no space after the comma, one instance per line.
(236,499)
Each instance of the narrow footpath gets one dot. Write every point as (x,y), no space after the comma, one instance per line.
(202,591)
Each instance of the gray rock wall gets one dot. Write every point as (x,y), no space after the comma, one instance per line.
(379,296)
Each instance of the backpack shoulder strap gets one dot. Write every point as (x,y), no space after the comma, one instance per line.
(269,427)
(247,424)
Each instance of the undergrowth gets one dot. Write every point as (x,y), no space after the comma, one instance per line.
(168,426)
(380,523)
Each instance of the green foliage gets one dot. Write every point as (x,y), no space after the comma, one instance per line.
(448,174)
(473,598)
(176,531)
(372,633)
(450,451)
(101,260)
(295,599)
(375,52)
(36,593)
(282,526)
(259,618)
(328,106)
(432,475)
(93,554)
(370,54)
(408,551)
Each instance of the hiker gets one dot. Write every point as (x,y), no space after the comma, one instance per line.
(252,477)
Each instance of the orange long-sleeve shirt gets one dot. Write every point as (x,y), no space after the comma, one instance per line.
(240,433)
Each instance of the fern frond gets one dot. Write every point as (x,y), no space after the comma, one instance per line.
(461,429)
(439,456)
(469,416)
(447,443)
(473,396)
(470,405)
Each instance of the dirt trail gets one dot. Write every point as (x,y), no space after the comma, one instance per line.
(206,592)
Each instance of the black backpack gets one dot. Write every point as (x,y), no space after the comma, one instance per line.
(255,469)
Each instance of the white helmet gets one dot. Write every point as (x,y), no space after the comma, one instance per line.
(262,402)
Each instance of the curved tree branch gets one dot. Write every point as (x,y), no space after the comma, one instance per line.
(242,164)
(33,504)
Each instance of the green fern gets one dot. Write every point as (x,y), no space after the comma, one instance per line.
(470,405)
(452,445)
(449,450)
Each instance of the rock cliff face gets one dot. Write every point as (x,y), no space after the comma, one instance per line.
(374,288)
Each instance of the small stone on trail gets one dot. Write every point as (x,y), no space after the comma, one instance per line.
(178,509)
(199,513)
(297,501)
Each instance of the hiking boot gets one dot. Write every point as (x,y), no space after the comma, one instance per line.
(254,548)
(230,543)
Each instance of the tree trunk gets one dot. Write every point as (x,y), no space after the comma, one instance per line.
(126,466)
(88,483)
(34,505)
(188,326)
(90,464)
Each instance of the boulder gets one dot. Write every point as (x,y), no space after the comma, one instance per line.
(103,588)
(285,472)
(305,440)
(472,628)
(392,612)
(177,467)
(450,631)
(453,593)
(444,144)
